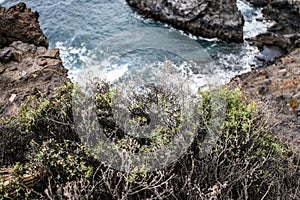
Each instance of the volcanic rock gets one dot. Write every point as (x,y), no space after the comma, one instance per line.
(27,68)
(18,23)
(285,33)
(206,18)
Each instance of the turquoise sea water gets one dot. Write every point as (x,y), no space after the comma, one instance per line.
(85,31)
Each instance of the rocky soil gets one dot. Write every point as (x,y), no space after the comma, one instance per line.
(204,18)
(276,88)
(27,68)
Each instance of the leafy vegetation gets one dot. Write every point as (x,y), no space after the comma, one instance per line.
(245,161)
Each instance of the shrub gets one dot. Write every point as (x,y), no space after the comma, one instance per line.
(39,120)
(245,161)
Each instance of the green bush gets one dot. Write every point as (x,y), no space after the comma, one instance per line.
(245,161)
(39,120)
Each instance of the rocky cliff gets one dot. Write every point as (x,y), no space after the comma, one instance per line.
(18,23)
(27,68)
(210,19)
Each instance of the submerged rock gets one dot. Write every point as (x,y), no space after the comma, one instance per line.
(210,19)
(270,53)
(18,23)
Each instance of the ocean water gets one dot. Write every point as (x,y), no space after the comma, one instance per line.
(110,40)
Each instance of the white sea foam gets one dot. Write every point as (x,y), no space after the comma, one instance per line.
(254,22)
(227,63)
(97,63)
(2,1)
(107,61)
(72,56)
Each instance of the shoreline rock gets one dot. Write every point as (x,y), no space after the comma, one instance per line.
(277,83)
(285,33)
(210,19)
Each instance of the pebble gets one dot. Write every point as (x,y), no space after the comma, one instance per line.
(12,97)
(22,73)
(13,69)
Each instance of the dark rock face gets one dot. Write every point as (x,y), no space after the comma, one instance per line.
(277,88)
(27,70)
(214,18)
(263,3)
(285,33)
(259,3)
(18,23)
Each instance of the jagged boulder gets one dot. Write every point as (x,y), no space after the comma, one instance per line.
(206,18)
(18,23)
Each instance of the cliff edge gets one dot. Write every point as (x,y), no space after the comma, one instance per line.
(27,67)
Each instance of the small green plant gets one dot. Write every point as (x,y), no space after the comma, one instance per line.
(64,161)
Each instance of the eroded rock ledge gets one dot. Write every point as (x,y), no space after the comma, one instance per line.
(210,19)
(26,69)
